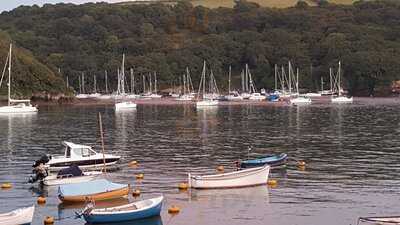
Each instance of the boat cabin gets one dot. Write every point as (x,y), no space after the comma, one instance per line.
(77,151)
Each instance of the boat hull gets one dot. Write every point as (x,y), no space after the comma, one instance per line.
(117,214)
(83,164)
(18,216)
(273,161)
(206,103)
(242,178)
(119,193)
(53,180)
(18,109)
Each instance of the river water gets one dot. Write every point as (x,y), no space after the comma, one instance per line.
(351,151)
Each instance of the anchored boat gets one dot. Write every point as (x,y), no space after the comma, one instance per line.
(272,160)
(18,216)
(390,220)
(80,155)
(133,211)
(241,178)
(95,190)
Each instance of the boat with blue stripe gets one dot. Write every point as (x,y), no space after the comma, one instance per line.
(274,160)
(132,211)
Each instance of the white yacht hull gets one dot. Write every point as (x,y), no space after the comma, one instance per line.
(18,109)
(241,178)
(206,103)
(342,99)
(18,216)
(125,105)
(52,180)
(300,101)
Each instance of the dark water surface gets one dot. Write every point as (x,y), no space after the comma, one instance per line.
(352,155)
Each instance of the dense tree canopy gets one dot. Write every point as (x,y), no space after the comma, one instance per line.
(91,38)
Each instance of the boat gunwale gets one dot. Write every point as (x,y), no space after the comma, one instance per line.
(106,211)
(238,174)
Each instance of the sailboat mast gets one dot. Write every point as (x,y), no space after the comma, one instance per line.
(338,85)
(155,82)
(297,81)
(102,142)
(94,81)
(322,84)
(276,77)
(330,79)
(242,78)
(83,82)
(229,84)
(184,84)
(144,84)
(246,75)
(9,77)
(132,82)
(105,73)
(290,79)
(67,83)
(283,78)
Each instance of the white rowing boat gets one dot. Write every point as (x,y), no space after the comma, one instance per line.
(18,216)
(53,180)
(241,178)
(390,220)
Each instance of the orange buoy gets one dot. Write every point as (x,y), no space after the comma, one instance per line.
(272,182)
(139,176)
(48,220)
(302,163)
(41,200)
(136,193)
(174,209)
(302,168)
(220,168)
(183,186)
(133,163)
(6,186)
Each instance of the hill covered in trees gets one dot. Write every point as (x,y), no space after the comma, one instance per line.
(29,76)
(91,38)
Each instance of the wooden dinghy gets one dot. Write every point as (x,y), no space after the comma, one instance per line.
(18,216)
(241,178)
(96,190)
(390,220)
(275,160)
(133,211)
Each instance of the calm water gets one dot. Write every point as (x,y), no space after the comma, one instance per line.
(351,153)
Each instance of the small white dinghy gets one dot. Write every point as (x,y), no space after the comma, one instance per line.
(390,220)
(241,178)
(18,216)
(125,105)
(300,100)
(53,180)
(206,103)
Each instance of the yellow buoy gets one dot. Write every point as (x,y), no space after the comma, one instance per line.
(272,182)
(6,186)
(220,168)
(139,176)
(174,209)
(133,163)
(183,186)
(48,220)
(41,200)
(302,163)
(136,193)
(302,168)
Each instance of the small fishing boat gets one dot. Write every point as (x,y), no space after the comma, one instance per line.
(133,211)
(272,160)
(241,178)
(70,175)
(80,155)
(18,216)
(390,220)
(95,190)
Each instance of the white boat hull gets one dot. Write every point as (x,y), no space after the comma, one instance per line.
(185,98)
(300,101)
(234,98)
(342,99)
(206,103)
(82,96)
(257,97)
(241,178)
(18,216)
(125,105)
(52,180)
(18,109)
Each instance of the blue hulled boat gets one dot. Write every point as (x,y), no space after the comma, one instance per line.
(272,160)
(132,211)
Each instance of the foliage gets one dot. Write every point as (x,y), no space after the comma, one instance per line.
(91,38)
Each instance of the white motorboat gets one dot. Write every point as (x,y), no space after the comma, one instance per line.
(15,106)
(241,178)
(80,155)
(301,100)
(185,97)
(342,99)
(257,96)
(125,105)
(81,96)
(206,103)
(18,216)
(234,96)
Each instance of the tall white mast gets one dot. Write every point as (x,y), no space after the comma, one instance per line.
(155,82)
(297,81)
(290,79)
(9,76)
(229,84)
(276,77)
(105,73)
(132,82)
(338,85)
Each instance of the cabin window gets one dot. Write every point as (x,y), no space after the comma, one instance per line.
(68,152)
(85,152)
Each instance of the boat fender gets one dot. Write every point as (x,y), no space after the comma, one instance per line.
(272,182)
(48,220)
(136,193)
(302,163)
(139,176)
(220,168)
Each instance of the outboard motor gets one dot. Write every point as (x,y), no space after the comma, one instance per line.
(39,171)
(43,160)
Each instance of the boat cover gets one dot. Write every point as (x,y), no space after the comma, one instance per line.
(89,188)
(72,170)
